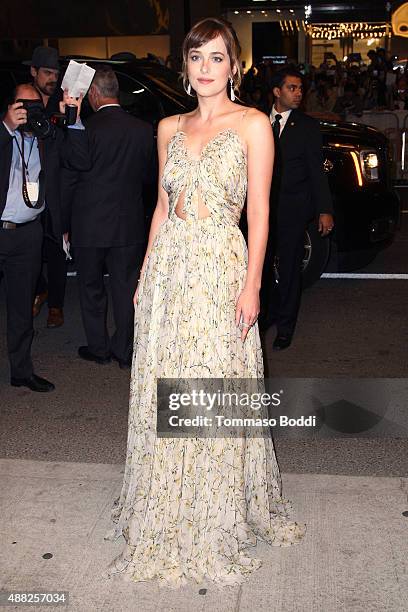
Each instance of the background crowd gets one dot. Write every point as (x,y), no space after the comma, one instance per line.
(339,87)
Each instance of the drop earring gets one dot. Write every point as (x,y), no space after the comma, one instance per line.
(232,94)
(188,89)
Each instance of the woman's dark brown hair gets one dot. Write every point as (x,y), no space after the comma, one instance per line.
(206,30)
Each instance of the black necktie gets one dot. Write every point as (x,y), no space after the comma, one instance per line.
(276,126)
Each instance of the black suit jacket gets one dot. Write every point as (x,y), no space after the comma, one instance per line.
(67,148)
(300,189)
(107,206)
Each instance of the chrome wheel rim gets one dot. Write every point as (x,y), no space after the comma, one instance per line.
(307,255)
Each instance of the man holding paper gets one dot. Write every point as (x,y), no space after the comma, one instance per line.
(45,70)
(30,183)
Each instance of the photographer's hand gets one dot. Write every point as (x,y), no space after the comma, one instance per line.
(15,116)
(67,99)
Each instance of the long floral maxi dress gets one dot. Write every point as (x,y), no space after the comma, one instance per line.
(190,506)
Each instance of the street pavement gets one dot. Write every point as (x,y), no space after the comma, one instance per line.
(62,454)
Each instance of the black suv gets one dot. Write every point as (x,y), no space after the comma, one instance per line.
(357,162)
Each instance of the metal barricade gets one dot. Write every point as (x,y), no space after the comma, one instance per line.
(394,125)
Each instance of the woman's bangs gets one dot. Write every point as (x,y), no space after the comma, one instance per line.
(203,34)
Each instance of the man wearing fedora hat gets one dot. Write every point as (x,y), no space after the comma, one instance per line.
(45,69)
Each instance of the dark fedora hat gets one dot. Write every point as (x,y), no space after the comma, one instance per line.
(44,57)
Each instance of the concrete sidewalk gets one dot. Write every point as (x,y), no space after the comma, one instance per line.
(354,556)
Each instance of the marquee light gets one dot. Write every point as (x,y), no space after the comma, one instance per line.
(291,26)
(337,30)
(353,30)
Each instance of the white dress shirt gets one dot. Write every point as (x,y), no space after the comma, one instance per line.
(284,115)
(105,106)
(15,209)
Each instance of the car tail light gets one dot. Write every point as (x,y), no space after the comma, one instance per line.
(357,167)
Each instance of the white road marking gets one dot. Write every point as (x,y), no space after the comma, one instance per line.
(74,274)
(365,276)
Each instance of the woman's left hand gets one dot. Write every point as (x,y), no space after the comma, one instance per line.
(247,310)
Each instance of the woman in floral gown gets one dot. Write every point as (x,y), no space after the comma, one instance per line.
(189,507)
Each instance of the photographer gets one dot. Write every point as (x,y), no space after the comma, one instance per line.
(32,151)
(349,103)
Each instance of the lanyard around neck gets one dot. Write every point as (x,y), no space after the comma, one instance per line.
(24,170)
(21,150)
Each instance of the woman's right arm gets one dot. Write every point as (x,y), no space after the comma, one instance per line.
(164,131)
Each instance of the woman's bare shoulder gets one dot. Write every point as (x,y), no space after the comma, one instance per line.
(255,127)
(167,125)
(256,119)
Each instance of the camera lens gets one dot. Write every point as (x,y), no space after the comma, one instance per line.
(39,124)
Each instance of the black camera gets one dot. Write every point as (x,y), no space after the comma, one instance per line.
(40,124)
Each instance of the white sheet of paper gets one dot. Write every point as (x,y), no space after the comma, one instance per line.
(32,190)
(77,78)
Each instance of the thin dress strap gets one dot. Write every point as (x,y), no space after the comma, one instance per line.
(178,122)
(244,113)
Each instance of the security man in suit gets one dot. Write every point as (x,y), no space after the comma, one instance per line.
(300,193)
(29,183)
(107,220)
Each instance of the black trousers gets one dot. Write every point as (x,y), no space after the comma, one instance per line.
(287,295)
(20,262)
(54,254)
(123,265)
(280,301)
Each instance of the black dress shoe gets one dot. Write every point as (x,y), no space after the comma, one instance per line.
(124,365)
(281,342)
(85,353)
(35,383)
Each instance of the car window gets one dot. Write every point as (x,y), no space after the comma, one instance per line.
(138,100)
(164,75)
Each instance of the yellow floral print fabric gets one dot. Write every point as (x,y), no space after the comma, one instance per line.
(189,507)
